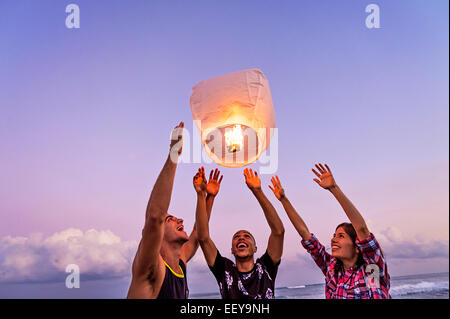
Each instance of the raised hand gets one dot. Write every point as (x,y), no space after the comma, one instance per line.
(277,189)
(213,186)
(326,177)
(200,181)
(251,179)
(176,141)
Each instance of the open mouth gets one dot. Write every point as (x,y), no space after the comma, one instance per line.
(180,228)
(334,247)
(242,246)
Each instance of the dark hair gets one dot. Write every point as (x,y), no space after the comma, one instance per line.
(254,240)
(350,230)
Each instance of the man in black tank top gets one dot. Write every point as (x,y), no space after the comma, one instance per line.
(174,285)
(159,267)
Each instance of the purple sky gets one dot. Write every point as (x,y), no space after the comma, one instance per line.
(85,117)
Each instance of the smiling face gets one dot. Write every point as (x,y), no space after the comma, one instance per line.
(342,245)
(243,245)
(174,230)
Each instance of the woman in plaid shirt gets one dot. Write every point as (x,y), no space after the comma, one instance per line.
(356,268)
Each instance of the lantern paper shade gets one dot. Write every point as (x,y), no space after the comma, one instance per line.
(235,116)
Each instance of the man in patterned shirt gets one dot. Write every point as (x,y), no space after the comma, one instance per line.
(356,267)
(244,278)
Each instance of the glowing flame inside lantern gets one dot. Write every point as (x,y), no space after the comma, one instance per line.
(234,139)
(235,116)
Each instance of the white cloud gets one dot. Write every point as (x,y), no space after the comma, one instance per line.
(103,255)
(99,254)
(396,245)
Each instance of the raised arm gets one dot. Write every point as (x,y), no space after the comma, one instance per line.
(275,244)
(212,188)
(147,260)
(294,217)
(202,217)
(327,182)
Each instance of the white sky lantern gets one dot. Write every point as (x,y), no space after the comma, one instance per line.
(235,116)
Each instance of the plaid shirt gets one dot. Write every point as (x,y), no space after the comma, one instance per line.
(368,281)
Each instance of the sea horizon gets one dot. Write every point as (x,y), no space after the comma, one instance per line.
(416,286)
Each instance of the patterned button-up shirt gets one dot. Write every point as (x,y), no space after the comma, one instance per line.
(368,281)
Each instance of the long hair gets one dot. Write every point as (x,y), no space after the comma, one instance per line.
(350,230)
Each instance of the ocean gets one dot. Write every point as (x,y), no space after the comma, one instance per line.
(426,286)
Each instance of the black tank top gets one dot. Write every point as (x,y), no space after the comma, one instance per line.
(174,286)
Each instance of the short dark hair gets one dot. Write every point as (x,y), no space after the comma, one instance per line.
(254,240)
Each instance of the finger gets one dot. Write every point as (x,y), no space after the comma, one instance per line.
(317,174)
(210,175)
(251,173)
(220,180)
(216,174)
(329,170)
(272,188)
(256,174)
(320,170)
(245,173)
(316,180)
(278,180)
(273,180)
(323,168)
(203,173)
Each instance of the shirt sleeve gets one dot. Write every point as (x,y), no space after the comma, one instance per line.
(271,267)
(218,269)
(372,255)
(317,252)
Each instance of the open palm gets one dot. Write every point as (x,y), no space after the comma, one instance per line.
(277,189)
(326,179)
(213,186)
(251,179)
(200,180)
